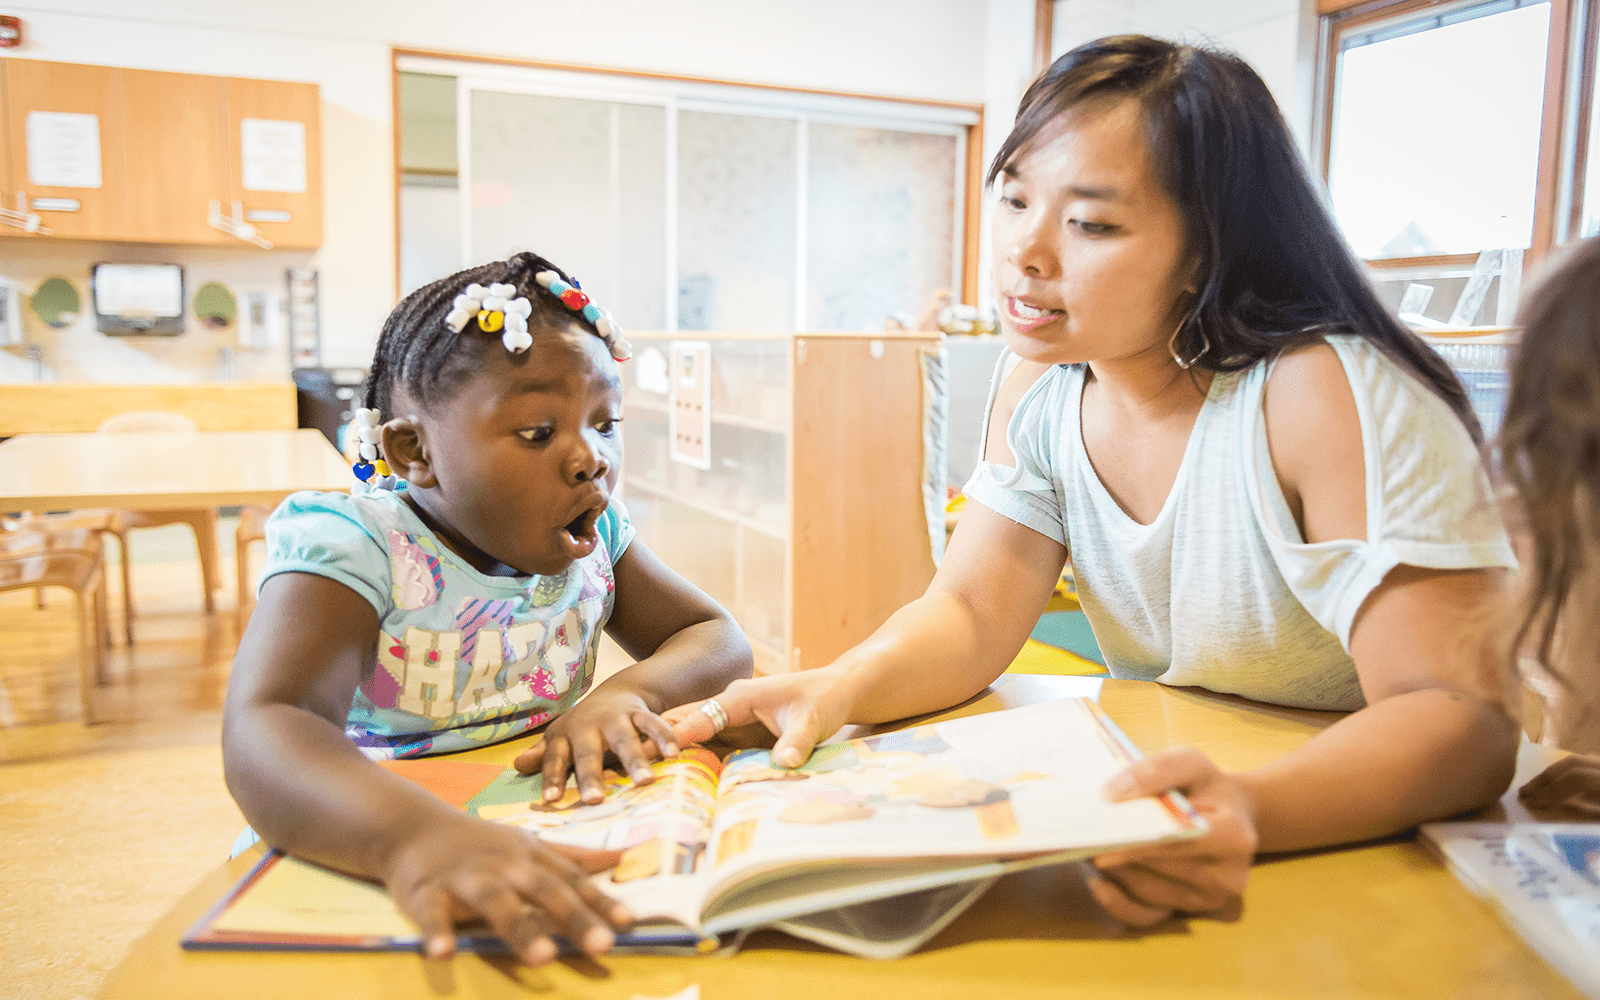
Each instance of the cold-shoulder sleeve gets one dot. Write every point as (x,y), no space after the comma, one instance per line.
(1030,492)
(1428,497)
(335,535)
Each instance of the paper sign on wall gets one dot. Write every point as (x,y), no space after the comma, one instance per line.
(689,419)
(63,149)
(272,155)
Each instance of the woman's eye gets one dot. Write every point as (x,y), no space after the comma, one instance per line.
(535,434)
(1013,203)
(1093,228)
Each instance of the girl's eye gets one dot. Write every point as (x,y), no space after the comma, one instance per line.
(1092,228)
(535,434)
(610,426)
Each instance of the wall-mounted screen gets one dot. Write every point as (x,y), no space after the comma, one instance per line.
(138,298)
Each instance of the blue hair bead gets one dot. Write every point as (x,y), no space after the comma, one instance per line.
(363,470)
(591,312)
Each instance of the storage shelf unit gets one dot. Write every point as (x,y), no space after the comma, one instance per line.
(809,525)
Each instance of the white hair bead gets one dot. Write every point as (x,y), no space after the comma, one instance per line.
(502,291)
(494,303)
(521,306)
(477,291)
(366,417)
(515,323)
(463,302)
(544,278)
(370,434)
(515,342)
(605,326)
(458,319)
(369,451)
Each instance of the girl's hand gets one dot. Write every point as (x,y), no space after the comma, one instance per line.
(458,868)
(1571,782)
(801,709)
(1142,886)
(617,720)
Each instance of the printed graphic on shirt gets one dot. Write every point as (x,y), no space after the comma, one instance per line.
(418,580)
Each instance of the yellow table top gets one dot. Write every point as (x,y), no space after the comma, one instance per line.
(1383,919)
(157,471)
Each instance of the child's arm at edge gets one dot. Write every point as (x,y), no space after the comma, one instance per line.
(307,789)
(688,648)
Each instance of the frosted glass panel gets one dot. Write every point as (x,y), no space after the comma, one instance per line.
(736,222)
(881,224)
(580,182)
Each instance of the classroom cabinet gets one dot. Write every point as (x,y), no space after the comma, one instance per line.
(783,474)
(153,157)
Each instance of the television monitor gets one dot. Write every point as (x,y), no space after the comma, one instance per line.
(132,299)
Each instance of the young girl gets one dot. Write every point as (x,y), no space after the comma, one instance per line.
(1267,486)
(463,606)
(1550,453)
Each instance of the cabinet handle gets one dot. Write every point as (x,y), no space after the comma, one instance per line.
(21,218)
(234,225)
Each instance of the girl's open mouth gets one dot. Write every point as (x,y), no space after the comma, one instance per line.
(580,534)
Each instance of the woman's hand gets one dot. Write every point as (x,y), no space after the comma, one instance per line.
(455,868)
(610,718)
(1142,886)
(801,709)
(1571,782)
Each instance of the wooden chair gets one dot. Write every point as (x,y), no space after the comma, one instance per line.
(252,528)
(201,520)
(102,522)
(70,559)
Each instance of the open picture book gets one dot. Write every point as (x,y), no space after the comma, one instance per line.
(1541,878)
(872,846)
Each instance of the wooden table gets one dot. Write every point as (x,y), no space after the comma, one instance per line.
(1381,920)
(43,472)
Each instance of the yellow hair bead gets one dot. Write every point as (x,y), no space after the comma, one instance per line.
(382,467)
(489,321)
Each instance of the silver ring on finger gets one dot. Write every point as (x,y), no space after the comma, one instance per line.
(715,712)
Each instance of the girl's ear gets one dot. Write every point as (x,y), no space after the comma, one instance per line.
(406,451)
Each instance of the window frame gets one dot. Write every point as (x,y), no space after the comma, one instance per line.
(1564,118)
(677,90)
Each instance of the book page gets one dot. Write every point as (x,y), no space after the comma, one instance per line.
(660,828)
(1542,878)
(1003,785)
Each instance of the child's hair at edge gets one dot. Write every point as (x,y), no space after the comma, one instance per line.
(419,350)
(1550,442)
(1275,271)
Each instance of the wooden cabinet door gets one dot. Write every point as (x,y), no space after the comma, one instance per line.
(175,158)
(69,109)
(264,144)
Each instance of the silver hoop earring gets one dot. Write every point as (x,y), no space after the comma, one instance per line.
(1172,346)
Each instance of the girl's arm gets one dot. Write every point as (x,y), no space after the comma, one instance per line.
(687,648)
(307,789)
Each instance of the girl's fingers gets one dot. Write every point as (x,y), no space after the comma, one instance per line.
(554,892)
(509,914)
(529,760)
(429,909)
(1119,905)
(624,742)
(658,734)
(556,760)
(588,764)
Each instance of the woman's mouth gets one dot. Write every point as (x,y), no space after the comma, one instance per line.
(1025,317)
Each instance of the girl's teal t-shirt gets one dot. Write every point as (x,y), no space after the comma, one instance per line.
(463,659)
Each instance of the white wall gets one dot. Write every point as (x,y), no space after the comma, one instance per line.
(903,48)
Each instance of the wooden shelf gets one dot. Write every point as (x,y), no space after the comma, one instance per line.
(678,496)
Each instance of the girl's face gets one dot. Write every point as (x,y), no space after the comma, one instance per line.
(526,452)
(1089,250)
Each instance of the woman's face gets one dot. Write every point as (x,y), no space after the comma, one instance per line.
(1090,259)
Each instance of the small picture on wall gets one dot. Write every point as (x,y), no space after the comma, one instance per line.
(689,419)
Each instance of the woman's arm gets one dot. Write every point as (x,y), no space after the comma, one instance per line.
(307,790)
(1438,735)
(687,646)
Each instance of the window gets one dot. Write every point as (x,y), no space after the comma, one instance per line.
(687,204)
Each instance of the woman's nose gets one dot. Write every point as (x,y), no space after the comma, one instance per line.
(1031,250)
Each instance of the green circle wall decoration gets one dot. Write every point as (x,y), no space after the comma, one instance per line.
(215,306)
(57,303)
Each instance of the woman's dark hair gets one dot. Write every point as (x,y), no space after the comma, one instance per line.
(419,350)
(1274,271)
(1550,441)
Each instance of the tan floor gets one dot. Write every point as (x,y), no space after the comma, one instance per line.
(103,828)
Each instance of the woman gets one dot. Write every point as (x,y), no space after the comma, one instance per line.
(1267,486)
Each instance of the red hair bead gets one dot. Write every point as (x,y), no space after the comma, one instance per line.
(574,299)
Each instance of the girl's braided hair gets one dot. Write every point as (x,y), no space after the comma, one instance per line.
(419,350)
